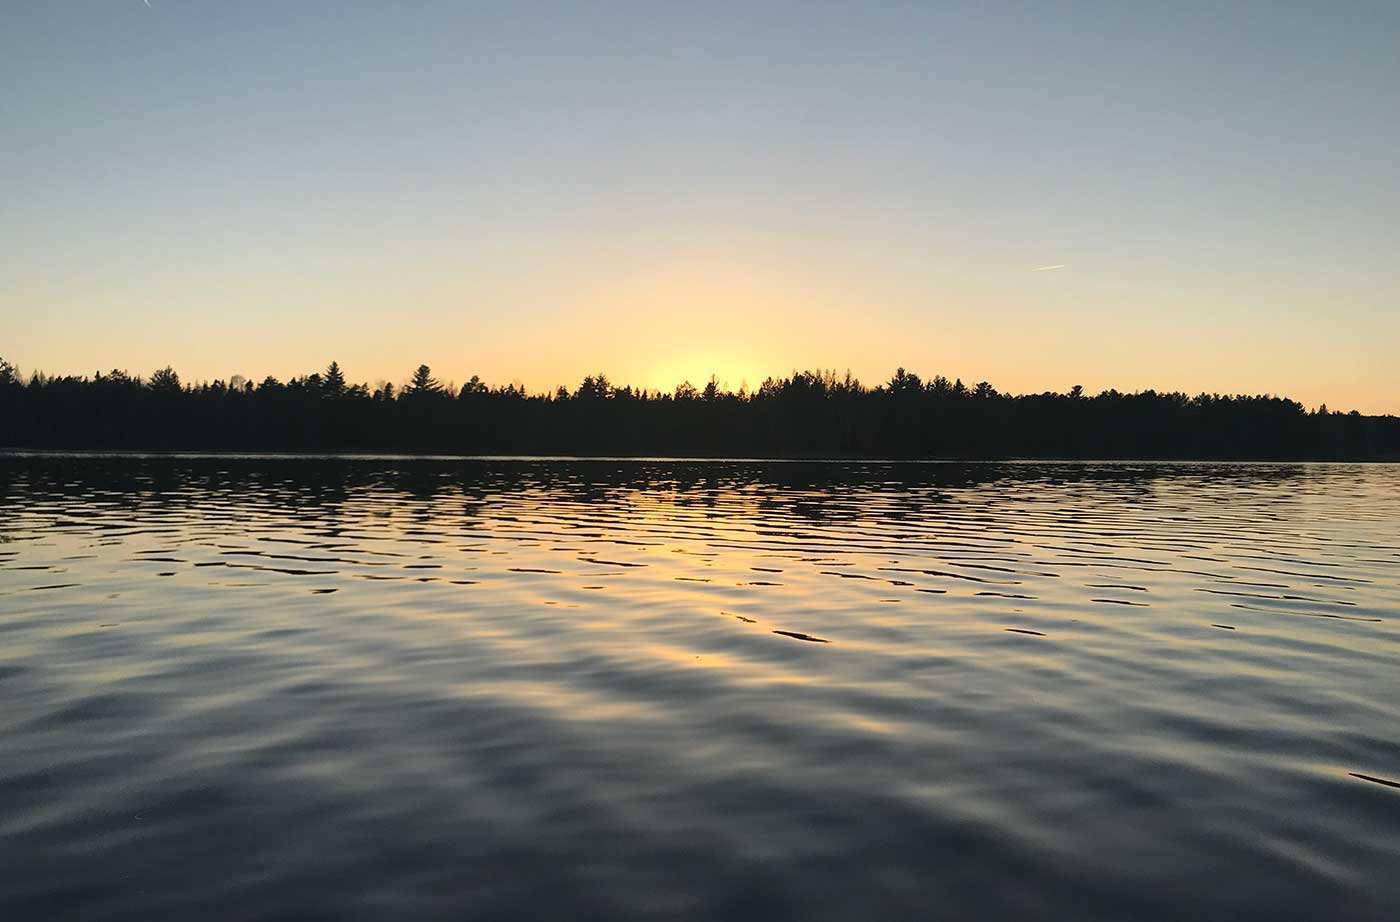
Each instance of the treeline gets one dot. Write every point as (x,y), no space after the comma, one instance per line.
(809,413)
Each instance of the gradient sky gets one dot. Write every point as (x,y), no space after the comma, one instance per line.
(659,191)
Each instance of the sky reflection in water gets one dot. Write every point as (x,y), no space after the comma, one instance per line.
(258,687)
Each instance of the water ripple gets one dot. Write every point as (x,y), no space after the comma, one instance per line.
(256,688)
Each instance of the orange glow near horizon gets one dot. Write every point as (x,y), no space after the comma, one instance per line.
(534,196)
(745,308)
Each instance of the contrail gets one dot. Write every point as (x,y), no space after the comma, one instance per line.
(1044,268)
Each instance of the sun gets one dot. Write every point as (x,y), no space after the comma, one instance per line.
(731,368)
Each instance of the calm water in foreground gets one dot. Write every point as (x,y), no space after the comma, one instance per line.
(261,688)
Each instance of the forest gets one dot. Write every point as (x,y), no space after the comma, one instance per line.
(805,414)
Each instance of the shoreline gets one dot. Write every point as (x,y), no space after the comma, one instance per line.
(318,455)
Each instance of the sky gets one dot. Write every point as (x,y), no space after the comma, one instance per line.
(531,192)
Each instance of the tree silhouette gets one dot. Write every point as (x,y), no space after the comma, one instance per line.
(423,383)
(903,382)
(165,381)
(816,413)
(334,382)
(594,387)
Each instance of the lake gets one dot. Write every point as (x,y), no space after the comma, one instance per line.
(252,688)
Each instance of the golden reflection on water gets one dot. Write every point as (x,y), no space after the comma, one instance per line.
(770,659)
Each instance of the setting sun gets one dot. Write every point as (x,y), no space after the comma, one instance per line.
(779,461)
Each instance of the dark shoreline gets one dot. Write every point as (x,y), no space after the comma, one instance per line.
(810,415)
(690,457)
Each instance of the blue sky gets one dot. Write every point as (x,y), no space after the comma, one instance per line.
(662,191)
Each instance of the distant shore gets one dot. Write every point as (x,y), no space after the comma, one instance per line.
(689,458)
(808,415)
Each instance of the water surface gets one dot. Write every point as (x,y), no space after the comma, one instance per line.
(331,688)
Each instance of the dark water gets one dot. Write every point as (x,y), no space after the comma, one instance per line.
(267,688)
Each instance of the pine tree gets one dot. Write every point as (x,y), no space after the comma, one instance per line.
(334,383)
(166,381)
(423,383)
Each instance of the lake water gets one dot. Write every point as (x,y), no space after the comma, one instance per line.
(421,689)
